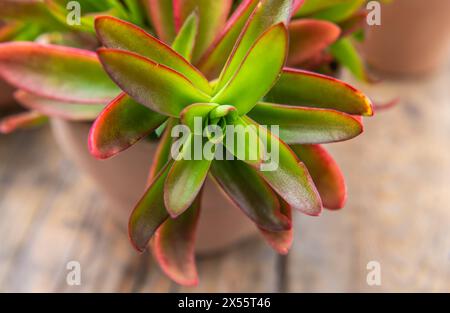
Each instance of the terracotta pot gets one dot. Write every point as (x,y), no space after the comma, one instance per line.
(413,38)
(123,180)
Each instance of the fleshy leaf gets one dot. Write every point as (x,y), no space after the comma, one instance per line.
(347,55)
(188,172)
(250,193)
(312,6)
(10,30)
(325,173)
(118,34)
(184,181)
(308,38)
(216,56)
(56,72)
(154,85)
(302,88)
(174,246)
(307,125)
(296,5)
(288,176)
(267,14)
(150,212)
(163,152)
(161,13)
(185,41)
(246,145)
(22,120)
(30,10)
(281,241)
(56,108)
(259,71)
(120,125)
(213,15)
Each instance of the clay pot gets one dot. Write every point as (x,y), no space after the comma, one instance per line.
(123,178)
(413,38)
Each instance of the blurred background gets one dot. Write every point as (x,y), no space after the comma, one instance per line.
(397,215)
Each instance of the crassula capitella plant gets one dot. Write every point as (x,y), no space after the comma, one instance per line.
(319,30)
(161,87)
(151,83)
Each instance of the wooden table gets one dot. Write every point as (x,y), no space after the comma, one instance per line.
(398,214)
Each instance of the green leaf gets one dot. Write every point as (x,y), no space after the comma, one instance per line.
(30,11)
(189,171)
(55,108)
(213,15)
(246,144)
(185,41)
(154,85)
(312,6)
(325,173)
(250,193)
(281,241)
(118,34)
(216,56)
(24,120)
(307,125)
(347,55)
(120,125)
(288,176)
(58,9)
(161,13)
(267,14)
(258,72)
(185,181)
(308,38)
(174,246)
(56,72)
(302,88)
(8,31)
(150,212)
(163,152)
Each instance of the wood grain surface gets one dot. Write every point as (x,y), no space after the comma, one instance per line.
(398,214)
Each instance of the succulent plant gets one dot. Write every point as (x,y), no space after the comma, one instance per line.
(161,87)
(227,72)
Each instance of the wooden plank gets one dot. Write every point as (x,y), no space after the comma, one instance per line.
(52,214)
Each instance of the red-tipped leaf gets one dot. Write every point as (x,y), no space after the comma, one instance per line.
(55,108)
(308,38)
(120,125)
(154,85)
(307,125)
(303,88)
(174,246)
(56,72)
(22,120)
(117,34)
(325,173)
